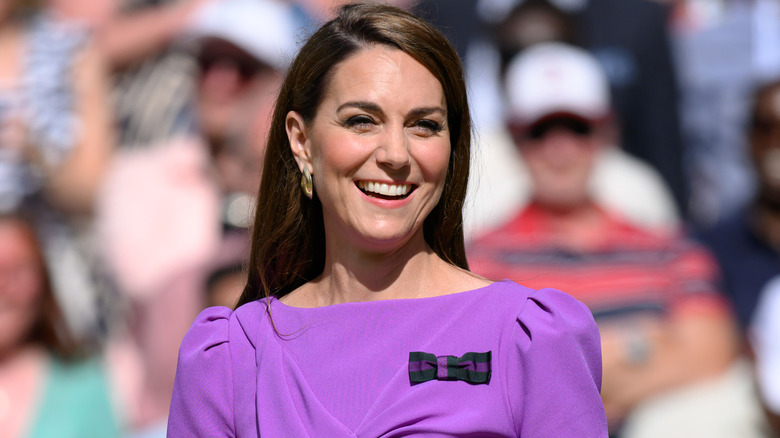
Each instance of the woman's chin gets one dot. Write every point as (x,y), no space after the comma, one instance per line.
(385,241)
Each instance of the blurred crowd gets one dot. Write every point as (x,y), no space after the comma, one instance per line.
(626,152)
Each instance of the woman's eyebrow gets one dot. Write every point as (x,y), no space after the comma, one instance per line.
(366,106)
(420,112)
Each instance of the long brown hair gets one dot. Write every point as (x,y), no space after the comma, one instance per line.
(288,241)
(50,329)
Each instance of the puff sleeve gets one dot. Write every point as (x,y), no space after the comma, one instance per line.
(202,401)
(559,358)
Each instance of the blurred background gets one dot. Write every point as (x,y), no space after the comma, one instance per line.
(132,135)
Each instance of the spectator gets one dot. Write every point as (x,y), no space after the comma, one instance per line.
(503,186)
(725,49)
(48,387)
(241,66)
(53,117)
(208,183)
(238,60)
(747,243)
(152,77)
(55,141)
(664,325)
(630,39)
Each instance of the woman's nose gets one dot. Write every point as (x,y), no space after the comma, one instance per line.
(393,149)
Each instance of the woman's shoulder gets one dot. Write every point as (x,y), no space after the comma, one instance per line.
(218,350)
(217,325)
(558,355)
(547,312)
(507,291)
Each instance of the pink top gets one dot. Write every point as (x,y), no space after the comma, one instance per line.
(345,370)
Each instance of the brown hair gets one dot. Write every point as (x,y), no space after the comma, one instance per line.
(288,242)
(50,329)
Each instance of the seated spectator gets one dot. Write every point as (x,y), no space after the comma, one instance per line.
(630,39)
(620,181)
(54,127)
(47,385)
(238,58)
(55,142)
(747,243)
(664,325)
(208,184)
(151,75)
(747,246)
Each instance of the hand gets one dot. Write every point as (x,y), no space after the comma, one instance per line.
(629,366)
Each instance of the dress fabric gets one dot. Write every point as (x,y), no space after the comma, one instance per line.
(271,370)
(76,403)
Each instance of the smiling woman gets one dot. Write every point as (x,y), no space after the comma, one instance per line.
(358,291)
(381,126)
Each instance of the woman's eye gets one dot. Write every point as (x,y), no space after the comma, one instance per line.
(427,127)
(359,122)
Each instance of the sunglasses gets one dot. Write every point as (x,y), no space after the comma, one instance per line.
(538,131)
(246,67)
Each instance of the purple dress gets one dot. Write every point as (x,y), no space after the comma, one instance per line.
(271,370)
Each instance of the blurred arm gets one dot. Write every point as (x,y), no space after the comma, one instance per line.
(130,38)
(656,356)
(73,185)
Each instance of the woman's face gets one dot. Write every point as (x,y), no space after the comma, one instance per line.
(378,149)
(20,284)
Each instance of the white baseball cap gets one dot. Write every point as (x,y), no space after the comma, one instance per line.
(265,29)
(554,78)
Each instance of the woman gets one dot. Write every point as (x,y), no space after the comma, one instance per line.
(359,317)
(46,389)
(55,142)
(55,129)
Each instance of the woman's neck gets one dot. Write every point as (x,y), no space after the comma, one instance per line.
(411,271)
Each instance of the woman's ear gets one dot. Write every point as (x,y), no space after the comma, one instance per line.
(297,134)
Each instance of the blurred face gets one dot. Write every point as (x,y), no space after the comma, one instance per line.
(240,161)
(560,153)
(228,79)
(378,149)
(20,285)
(765,142)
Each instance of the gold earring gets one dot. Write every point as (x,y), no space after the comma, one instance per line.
(306,183)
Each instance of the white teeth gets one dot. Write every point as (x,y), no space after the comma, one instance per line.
(384,189)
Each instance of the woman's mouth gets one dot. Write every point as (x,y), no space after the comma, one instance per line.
(384,190)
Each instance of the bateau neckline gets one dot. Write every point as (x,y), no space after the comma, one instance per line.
(275,301)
